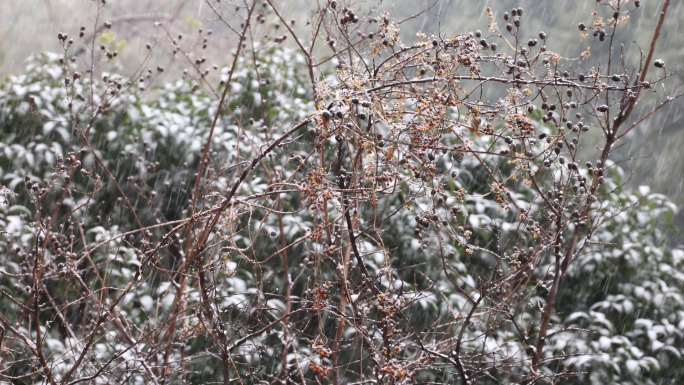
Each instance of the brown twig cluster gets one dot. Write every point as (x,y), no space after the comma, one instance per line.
(394,127)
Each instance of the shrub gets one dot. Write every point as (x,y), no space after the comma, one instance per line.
(409,213)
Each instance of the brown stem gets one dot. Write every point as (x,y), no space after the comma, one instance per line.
(610,141)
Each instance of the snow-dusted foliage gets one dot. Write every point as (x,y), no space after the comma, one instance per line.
(391,214)
(151,145)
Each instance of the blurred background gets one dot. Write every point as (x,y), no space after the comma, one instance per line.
(653,155)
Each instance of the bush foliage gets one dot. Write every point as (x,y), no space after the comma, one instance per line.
(336,228)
